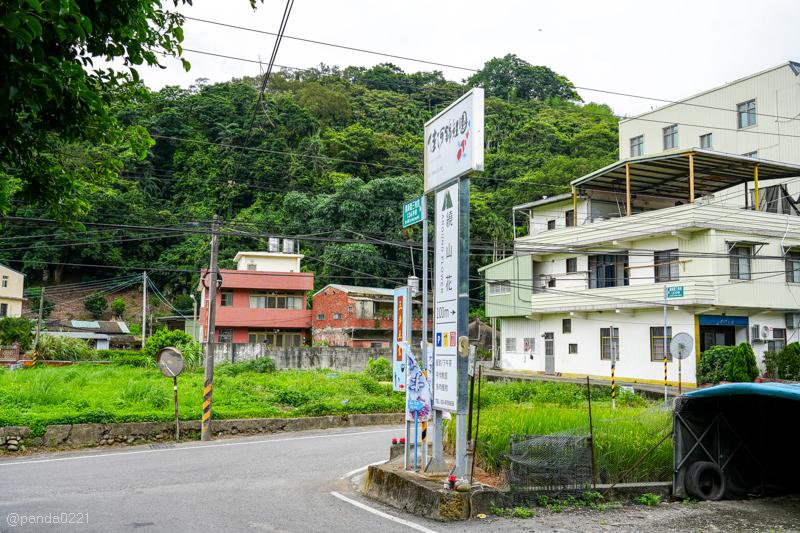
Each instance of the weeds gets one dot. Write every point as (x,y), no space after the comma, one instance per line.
(648,499)
(516,512)
(587,499)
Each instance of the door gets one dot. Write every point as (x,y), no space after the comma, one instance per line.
(549,354)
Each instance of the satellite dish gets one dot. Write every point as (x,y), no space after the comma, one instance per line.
(681,346)
(170,361)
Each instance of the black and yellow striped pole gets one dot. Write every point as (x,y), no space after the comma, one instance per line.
(613,365)
(665,371)
(205,433)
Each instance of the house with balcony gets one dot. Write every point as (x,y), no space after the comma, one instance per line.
(12,285)
(347,315)
(262,301)
(596,265)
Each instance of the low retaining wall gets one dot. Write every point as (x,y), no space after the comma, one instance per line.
(73,435)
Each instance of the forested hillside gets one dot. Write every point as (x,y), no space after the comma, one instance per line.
(331,157)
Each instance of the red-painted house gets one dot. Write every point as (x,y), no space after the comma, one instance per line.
(346,315)
(263,300)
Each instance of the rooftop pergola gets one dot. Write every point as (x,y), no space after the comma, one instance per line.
(681,174)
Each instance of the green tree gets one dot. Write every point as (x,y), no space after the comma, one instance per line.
(183,303)
(163,338)
(16,329)
(118,307)
(742,367)
(513,78)
(96,304)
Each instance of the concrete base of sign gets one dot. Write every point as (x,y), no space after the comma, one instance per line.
(424,495)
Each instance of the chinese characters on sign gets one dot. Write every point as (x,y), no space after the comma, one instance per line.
(445,319)
(412,212)
(402,332)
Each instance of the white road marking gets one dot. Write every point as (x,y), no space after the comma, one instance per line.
(357,470)
(412,525)
(200,447)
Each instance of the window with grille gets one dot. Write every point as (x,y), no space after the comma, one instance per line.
(337,316)
(225,335)
(3,310)
(566,325)
(747,114)
(570,218)
(707,141)
(549,344)
(671,137)
(793,267)
(499,287)
(350,309)
(657,343)
(637,146)
(608,271)
(511,344)
(778,341)
(551,224)
(740,262)
(573,348)
(605,344)
(320,317)
(667,266)
(251,268)
(572,265)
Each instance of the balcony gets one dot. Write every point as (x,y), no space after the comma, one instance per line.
(262,318)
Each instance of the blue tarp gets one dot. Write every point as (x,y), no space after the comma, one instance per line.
(774,390)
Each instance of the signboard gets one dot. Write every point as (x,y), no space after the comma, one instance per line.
(401,333)
(454,141)
(675,292)
(412,212)
(445,316)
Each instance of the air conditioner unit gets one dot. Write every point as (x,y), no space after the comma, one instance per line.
(792,320)
(755,333)
(765,332)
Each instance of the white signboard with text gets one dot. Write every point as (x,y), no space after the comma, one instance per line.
(454,141)
(445,316)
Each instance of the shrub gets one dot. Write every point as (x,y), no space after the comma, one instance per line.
(57,348)
(788,361)
(16,329)
(163,338)
(713,364)
(742,367)
(380,369)
(118,307)
(96,304)
(261,365)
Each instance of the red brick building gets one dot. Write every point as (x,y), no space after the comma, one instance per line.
(362,317)
(263,300)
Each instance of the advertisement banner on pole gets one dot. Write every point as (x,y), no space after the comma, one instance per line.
(454,141)
(401,333)
(445,316)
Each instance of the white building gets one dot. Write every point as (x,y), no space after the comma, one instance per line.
(602,256)
(755,116)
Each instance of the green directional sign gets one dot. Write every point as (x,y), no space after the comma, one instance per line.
(675,292)
(412,212)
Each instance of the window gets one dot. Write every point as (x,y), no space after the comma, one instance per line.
(573,348)
(566,325)
(3,310)
(225,335)
(320,317)
(671,137)
(779,340)
(747,114)
(570,218)
(605,344)
(754,155)
(551,282)
(226,299)
(511,344)
(5,281)
(499,287)
(657,343)
(337,316)
(276,300)
(707,141)
(793,267)
(530,344)
(740,262)
(551,224)
(549,344)
(666,266)
(251,268)
(608,271)
(376,345)
(256,335)
(572,265)
(350,309)
(637,146)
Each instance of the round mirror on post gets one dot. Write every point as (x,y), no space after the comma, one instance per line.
(170,361)
(681,347)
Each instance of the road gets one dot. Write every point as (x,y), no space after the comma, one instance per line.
(291,482)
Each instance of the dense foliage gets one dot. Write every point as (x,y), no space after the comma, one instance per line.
(713,364)
(333,153)
(163,338)
(16,329)
(788,362)
(742,366)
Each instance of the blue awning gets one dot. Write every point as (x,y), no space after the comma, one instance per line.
(719,320)
(774,390)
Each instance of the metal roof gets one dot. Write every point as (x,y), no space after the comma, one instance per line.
(544,201)
(667,174)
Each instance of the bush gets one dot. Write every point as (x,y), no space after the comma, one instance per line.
(118,307)
(742,367)
(262,365)
(713,365)
(788,361)
(124,357)
(57,348)
(96,304)
(380,369)
(163,338)
(16,329)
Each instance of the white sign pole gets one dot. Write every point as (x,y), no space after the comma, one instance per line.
(665,343)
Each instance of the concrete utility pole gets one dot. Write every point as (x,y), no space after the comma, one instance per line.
(211,303)
(38,327)
(144,307)
(425,363)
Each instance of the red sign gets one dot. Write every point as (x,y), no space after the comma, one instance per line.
(399,327)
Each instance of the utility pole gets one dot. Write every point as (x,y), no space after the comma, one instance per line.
(144,307)
(425,362)
(38,328)
(211,303)
(194,316)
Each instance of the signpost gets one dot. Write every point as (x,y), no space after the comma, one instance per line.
(669,292)
(453,150)
(170,363)
(412,212)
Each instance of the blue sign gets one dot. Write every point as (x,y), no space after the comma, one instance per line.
(438,339)
(415,405)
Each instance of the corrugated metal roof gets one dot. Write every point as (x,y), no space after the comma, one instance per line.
(85,324)
(77,334)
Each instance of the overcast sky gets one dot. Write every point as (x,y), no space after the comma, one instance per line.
(662,50)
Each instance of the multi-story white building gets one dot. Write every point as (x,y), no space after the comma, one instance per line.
(595,265)
(755,116)
(12,284)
